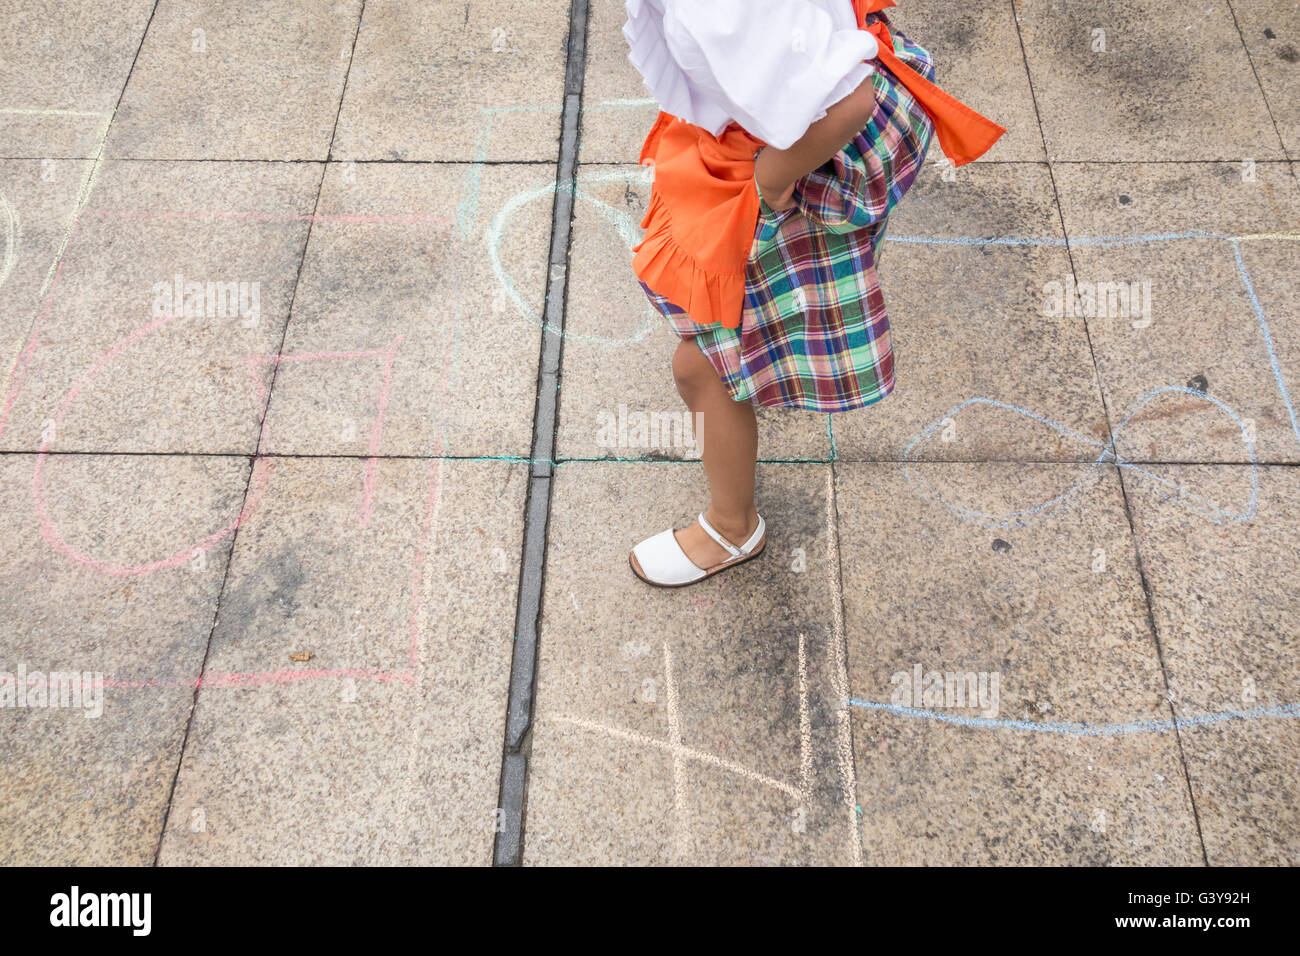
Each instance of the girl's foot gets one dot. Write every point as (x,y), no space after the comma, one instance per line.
(677,558)
(700,547)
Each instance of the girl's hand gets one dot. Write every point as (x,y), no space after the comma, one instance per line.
(782,202)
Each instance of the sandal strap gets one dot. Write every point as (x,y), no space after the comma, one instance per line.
(731,549)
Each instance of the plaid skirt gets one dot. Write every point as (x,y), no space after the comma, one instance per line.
(814,333)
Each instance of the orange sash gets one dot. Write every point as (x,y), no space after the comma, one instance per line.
(963,134)
(704,204)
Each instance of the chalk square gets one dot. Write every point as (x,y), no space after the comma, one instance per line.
(1209,248)
(981,372)
(383,747)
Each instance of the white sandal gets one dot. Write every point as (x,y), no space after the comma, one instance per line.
(660,560)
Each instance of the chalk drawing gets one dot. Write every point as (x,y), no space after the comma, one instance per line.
(13,380)
(1122,729)
(11,230)
(625,226)
(1103,241)
(801,792)
(263,464)
(1193,502)
(840,675)
(376,429)
(51,533)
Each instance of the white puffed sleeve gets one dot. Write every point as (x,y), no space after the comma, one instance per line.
(774,66)
(663,76)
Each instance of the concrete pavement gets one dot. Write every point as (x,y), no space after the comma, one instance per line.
(280,285)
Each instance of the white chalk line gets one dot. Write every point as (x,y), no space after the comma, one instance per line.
(82,198)
(685,752)
(679,771)
(840,678)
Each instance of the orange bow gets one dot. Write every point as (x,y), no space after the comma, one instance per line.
(963,134)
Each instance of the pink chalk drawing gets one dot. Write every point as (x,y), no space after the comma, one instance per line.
(376,429)
(263,461)
(261,468)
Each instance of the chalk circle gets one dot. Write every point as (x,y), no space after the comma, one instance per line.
(51,533)
(628,230)
(1193,502)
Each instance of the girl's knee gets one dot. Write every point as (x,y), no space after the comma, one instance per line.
(691,370)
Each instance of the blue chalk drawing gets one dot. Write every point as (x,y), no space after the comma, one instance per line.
(1062,728)
(628,231)
(1103,241)
(1193,502)
(1107,454)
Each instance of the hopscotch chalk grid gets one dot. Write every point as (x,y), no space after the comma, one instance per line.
(626,229)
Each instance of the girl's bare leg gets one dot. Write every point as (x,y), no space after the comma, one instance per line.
(729,448)
(729,432)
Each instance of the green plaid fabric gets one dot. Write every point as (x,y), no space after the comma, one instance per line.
(814,333)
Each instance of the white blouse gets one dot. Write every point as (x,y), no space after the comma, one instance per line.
(773,66)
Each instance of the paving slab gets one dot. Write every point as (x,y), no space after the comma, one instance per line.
(1150,80)
(978,59)
(1142,226)
(244,79)
(481,81)
(1053,763)
(62,69)
(617,358)
(384,747)
(981,370)
(1221,545)
(52,134)
(114,360)
(699,726)
(1271,31)
(100,574)
(409,268)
